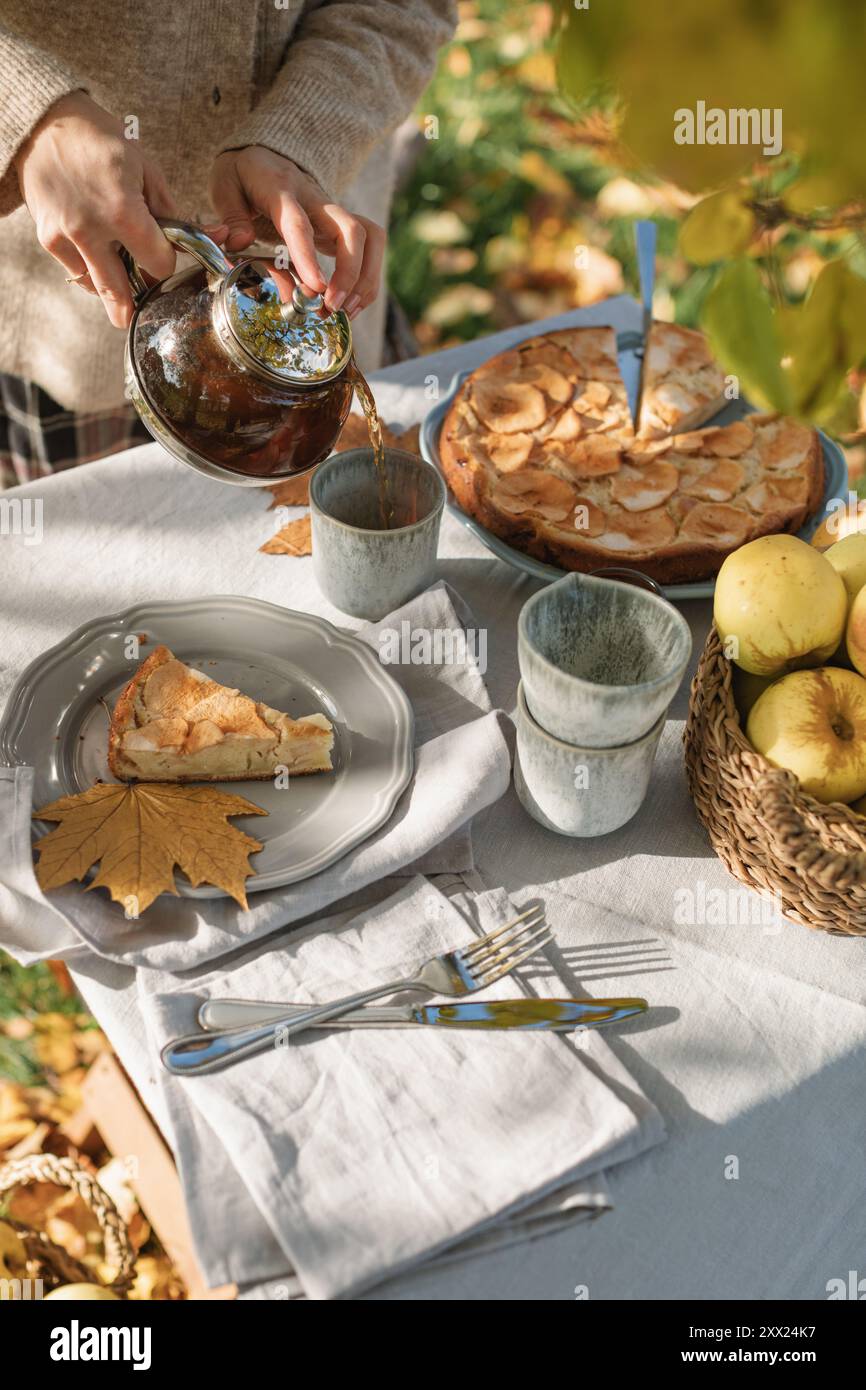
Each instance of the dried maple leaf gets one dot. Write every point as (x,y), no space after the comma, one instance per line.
(409,441)
(139,833)
(294,539)
(295,492)
(353,435)
(292,492)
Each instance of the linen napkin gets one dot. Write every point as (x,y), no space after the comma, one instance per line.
(462,764)
(368,1152)
(228,1206)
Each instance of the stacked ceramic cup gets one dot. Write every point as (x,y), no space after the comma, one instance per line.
(600,662)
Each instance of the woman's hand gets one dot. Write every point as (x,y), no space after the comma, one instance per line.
(90,190)
(256,181)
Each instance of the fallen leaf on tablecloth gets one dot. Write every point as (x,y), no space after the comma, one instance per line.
(139,833)
(355,435)
(409,441)
(295,492)
(292,492)
(294,539)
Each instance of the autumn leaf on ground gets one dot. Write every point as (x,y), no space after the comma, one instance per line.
(294,539)
(139,833)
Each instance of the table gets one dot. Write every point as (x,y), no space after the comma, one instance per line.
(754,1050)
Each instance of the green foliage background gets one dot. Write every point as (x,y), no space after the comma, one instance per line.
(526,167)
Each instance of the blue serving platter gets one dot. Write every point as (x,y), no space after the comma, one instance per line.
(836,486)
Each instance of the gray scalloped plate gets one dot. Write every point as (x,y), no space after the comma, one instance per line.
(836,487)
(294,661)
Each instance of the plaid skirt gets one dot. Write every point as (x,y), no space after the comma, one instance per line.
(38,437)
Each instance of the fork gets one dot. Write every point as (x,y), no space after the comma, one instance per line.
(464,970)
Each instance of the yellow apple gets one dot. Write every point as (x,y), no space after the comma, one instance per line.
(842,521)
(855,633)
(81,1292)
(747,688)
(848,558)
(814,724)
(779,606)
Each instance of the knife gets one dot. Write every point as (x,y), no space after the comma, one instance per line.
(559,1015)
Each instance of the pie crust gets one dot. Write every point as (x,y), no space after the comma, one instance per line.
(173,723)
(561,474)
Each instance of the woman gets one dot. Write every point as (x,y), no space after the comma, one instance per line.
(113,114)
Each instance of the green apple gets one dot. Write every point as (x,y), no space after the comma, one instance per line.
(779,606)
(814,724)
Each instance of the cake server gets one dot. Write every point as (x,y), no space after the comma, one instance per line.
(645,244)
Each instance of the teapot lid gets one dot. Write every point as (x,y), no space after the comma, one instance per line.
(296,341)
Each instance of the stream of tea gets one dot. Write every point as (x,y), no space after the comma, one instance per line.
(377,444)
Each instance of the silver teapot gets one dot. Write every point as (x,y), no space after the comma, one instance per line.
(233,367)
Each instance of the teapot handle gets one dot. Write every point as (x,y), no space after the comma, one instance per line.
(186,237)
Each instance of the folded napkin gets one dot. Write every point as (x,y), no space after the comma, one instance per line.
(462,764)
(367,1152)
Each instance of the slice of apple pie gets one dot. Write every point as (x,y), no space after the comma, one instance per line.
(173,723)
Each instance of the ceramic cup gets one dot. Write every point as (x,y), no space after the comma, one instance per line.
(580,791)
(601,660)
(360,568)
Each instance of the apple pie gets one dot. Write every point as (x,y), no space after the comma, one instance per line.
(173,723)
(539,446)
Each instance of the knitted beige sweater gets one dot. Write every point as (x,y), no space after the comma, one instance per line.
(320,81)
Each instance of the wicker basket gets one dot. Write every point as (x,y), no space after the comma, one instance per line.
(51,1263)
(768,833)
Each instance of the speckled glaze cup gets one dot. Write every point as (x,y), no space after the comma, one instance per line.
(360,568)
(601,660)
(580,791)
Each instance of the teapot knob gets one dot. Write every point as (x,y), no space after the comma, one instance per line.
(305,302)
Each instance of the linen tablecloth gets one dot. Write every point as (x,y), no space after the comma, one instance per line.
(756,1047)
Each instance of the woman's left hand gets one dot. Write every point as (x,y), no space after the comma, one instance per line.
(255,180)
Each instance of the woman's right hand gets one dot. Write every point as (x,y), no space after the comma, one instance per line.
(89,190)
